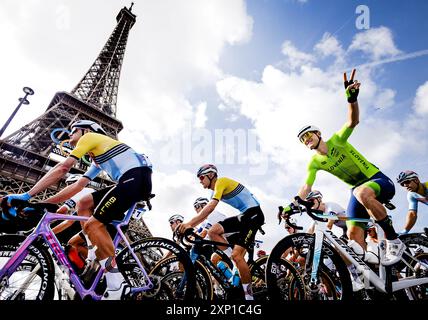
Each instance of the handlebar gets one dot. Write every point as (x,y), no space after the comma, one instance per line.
(21,204)
(311,212)
(287,218)
(197,239)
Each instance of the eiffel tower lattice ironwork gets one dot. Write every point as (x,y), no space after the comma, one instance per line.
(26,155)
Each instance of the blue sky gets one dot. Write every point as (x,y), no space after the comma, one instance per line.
(260,68)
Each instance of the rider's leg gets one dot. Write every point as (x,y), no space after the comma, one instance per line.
(238,257)
(367,197)
(356,233)
(85,207)
(381,187)
(216,234)
(79,243)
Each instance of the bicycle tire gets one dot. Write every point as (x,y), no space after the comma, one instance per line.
(204,286)
(258,278)
(43,284)
(303,242)
(127,266)
(419,292)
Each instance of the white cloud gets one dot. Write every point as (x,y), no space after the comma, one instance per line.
(295,58)
(181,44)
(330,46)
(378,43)
(200,116)
(420,103)
(385,99)
(284,101)
(173,49)
(175,194)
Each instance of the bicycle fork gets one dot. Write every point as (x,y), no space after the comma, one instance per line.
(319,237)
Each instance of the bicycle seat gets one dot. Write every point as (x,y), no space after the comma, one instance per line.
(389,205)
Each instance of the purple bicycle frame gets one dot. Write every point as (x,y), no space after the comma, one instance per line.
(44,229)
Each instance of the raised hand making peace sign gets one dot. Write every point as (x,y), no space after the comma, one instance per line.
(352,87)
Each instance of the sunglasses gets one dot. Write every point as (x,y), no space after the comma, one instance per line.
(306,136)
(406,183)
(201,178)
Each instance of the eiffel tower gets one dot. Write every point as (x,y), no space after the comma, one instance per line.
(27,154)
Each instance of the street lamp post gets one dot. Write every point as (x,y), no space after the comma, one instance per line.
(28,92)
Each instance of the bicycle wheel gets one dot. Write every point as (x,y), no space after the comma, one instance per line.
(33,279)
(418,268)
(166,278)
(204,286)
(258,272)
(334,281)
(283,281)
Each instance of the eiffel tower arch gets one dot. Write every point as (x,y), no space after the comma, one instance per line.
(27,154)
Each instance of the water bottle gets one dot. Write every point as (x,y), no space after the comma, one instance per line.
(235,277)
(224,269)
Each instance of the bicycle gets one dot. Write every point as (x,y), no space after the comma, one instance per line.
(200,252)
(326,276)
(28,271)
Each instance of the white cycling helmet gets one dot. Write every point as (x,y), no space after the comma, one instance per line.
(73,178)
(206,169)
(313,195)
(407,175)
(88,124)
(200,202)
(176,217)
(306,129)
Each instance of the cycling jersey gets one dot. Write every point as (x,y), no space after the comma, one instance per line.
(110,155)
(234,194)
(342,160)
(414,198)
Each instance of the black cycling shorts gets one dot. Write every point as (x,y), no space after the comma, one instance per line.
(112,203)
(243,227)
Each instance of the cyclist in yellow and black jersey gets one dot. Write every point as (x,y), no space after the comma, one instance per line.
(243,227)
(131,171)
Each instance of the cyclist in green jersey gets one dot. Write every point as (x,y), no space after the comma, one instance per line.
(370,187)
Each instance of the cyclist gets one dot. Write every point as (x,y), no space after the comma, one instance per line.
(174,221)
(370,187)
(211,220)
(131,171)
(330,208)
(417,192)
(246,224)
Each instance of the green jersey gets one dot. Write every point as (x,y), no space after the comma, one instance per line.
(342,160)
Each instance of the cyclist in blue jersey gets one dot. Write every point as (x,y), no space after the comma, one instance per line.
(417,193)
(245,225)
(131,171)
